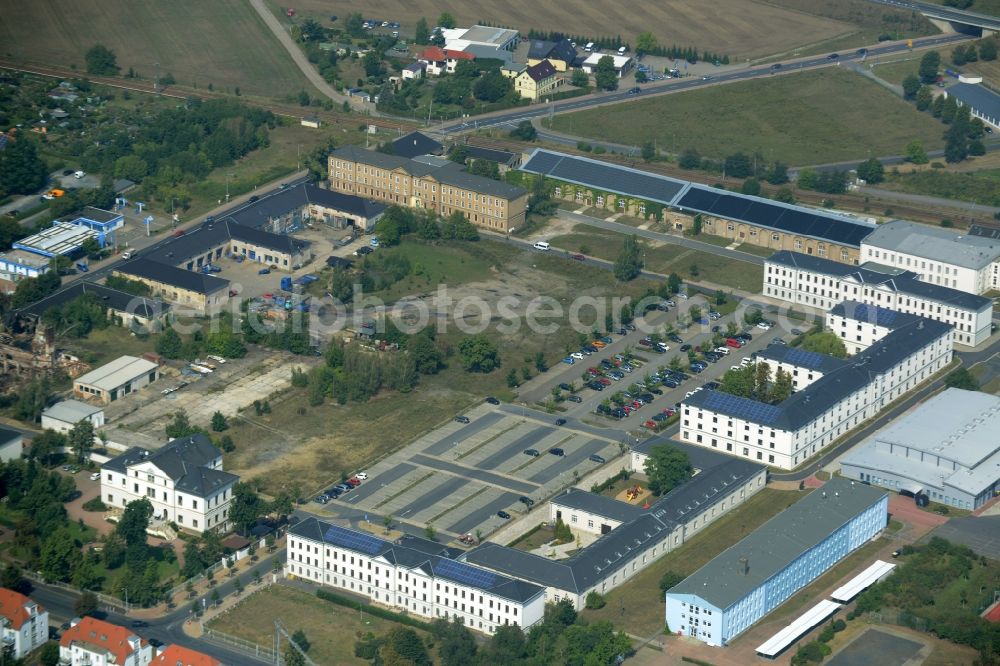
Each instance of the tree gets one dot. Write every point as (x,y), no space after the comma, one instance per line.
(457,227)
(312,31)
(292,656)
(425,354)
(667,467)
(668,580)
(605,76)
(86,604)
(915,152)
(456,644)
(777,174)
(478,353)
(405,645)
(81,439)
(595,600)
(446,20)
(131,529)
(963,379)
(180,427)
(689,159)
(871,171)
(782,389)
(246,506)
(579,78)
(59,556)
(422,34)
(988,49)
(492,86)
(925,97)
(751,186)
(219,422)
(101,61)
(738,165)
(824,342)
(485,168)
(911,85)
(355,25)
(739,382)
(628,265)
(645,43)
(22,171)
(674,283)
(372,62)
(299,638)
(524,131)
(929,64)
(958,56)
(648,151)
(49,654)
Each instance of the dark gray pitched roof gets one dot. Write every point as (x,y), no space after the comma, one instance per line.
(416,143)
(345,203)
(904,282)
(542,50)
(183,460)
(541,71)
(499,156)
(872,314)
(744,567)
(802,358)
(178,277)
(977,97)
(601,505)
(441,565)
(120,301)
(7,436)
(804,406)
(450,174)
(643,529)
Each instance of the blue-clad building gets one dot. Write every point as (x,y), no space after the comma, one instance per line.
(750,579)
(104,222)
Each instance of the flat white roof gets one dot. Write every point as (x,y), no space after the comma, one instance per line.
(24,258)
(802,624)
(620,61)
(119,371)
(70,411)
(60,238)
(862,581)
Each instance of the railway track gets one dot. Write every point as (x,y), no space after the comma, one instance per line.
(178,92)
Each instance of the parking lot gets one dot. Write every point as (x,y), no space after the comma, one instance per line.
(460,475)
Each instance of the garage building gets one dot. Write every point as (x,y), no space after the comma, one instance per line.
(116,379)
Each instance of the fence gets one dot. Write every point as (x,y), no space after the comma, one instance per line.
(105,600)
(218,566)
(263,653)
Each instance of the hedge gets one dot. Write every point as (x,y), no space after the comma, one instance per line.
(373,610)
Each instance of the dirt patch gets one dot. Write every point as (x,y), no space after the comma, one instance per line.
(635,494)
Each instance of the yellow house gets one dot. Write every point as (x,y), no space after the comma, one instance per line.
(537,81)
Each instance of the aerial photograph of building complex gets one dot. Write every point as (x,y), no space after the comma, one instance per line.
(500,334)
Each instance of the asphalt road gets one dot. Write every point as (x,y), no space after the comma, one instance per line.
(513,117)
(946,13)
(169,628)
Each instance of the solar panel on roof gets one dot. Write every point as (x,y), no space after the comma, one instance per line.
(463,573)
(744,408)
(875,314)
(354,540)
(804,358)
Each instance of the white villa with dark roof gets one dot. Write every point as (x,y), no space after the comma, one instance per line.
(184,481)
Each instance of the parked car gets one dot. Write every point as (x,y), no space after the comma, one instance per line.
(462,419)
(504,515)
(264,271)
(526,501)
(574,398)
(362,475)
(353,482)
(557,452)
(253,199)
(362,251)
(96,476)
(685,348)
(560,422)
(569,360)
(565,387)
(531,452)
(796,331)
(596,458)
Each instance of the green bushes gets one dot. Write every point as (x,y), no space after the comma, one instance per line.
(595,600)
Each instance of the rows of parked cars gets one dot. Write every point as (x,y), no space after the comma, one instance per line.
(341,488)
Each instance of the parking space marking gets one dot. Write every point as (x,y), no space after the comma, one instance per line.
(481,475)
(481,515)
(378,482)
(455,437)
(426,495)
(530,440)
(574,456)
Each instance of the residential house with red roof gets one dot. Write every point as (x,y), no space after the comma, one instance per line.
(175,655)
(92,642)
(25,623)
(443,61)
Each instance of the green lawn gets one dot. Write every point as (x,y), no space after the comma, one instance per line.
(331,630)
(982,187)
(750,248)
(808,118)
(896,71)
(637,606)
(103,345)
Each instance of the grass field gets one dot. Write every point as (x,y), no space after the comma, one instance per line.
(740,28)
(637,606)
(332,630)
(895,71)
(809,118)
(979,6)
(222,42)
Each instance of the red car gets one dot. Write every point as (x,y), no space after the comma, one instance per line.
(578,257)
(178,233)
(353,482)
(733,342)
(604,380)
(636,404)
(650,424)
(593,372)
(669,412)
(627,408)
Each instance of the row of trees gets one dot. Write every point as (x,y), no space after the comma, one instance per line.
(397,222)
(965,53)
(22,170)
(754,381)
(647,44)
(560,638)
(737,165)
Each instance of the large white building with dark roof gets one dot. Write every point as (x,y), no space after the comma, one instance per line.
(819,283)
(948,449)
(756,575)
(937,256)
(184,481)
(786,434)
(411,575)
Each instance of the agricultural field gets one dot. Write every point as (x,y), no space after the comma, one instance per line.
(814,117)
(991,7)
(742,29)
(223,42)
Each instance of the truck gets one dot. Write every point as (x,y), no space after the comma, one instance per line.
(346,240)
(286,283)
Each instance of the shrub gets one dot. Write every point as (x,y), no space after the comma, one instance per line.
(95,505)
(595,600)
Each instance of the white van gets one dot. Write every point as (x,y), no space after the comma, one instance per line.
(127,254)
(622,50)
(589,47)
(541,245)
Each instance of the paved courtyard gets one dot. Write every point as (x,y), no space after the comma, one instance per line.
(880,647)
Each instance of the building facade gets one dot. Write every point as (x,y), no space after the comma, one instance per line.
(753,577)
(93,642)
(198,292)
(184,481)
(859,326)
(632,537)
(983,103)
(820,283)
(537,81)
(422,583)
(65,414)
(444,188)
(116,379)
(25,623)
(438,61)
(937,256)
(946,449)
(787,434)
